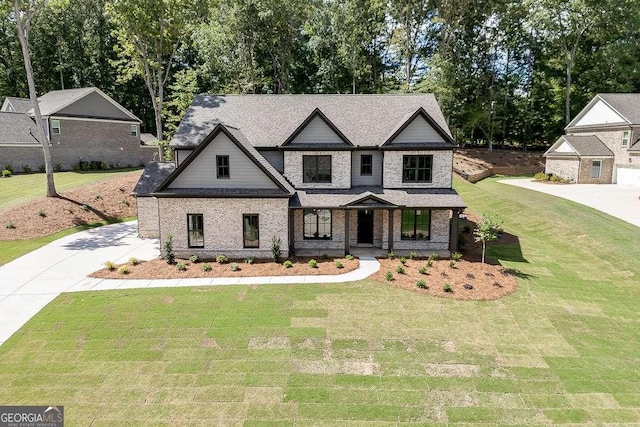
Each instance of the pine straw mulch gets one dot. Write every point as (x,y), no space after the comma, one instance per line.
(159,269)
(109,201)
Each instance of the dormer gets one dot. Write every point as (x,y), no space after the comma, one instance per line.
(317,132)
(418,130)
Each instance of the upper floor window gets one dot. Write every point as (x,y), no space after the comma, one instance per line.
(366,165)
(416,224)
(250,231)
(626,136)
(316,168)
(417,168)
(222,165)
(317,224)
(134,130)
(195,230)
(55,127)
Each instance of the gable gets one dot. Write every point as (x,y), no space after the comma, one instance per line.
(599,114)
(418,131)
(564,148)
(316,129)
(201,171)
(94,105)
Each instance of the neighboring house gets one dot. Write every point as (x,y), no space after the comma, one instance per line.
(602,144)
(323,173)
(82,126)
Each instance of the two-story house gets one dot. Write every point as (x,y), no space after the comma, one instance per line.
(602,143)
(322,173)
(81,125)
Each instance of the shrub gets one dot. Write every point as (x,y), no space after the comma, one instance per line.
(104,166)
(400,269)
(557,178)
(9,168)
(134,261)
(413,255)
(181,266)
(456,256)
(250,259)
(42,214)
(98,197)
(42,169)
(462,241)
(6,173)
(349,257)
(313,263)
(234,266)
(26,169)
(421,284)
(206,267)
(434,257)
(109,265)
(470,276)
(324,256)
(339,264)
(168,250)
(541,176)
(423,270)
(126,202)
(123,269)
(74,167)
(9,225)
(389,276)
(452,263)
(221,259)
(466,229)
(403,260)
(447,288)
(287,264)
(194,259)
(58,168)
(276,252)
(468,286)
(85,208)
(429,263)
(391,255)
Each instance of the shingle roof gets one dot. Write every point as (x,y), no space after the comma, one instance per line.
(627,104)
(411,198)
(153,175)
(19,105)
(268,120)
(17,128)
(584,145)
(56,99)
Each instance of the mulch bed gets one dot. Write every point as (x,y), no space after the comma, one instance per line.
(159,269)
(103,201)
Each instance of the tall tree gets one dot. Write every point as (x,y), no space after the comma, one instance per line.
(23,16)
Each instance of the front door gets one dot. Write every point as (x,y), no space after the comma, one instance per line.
(365,226)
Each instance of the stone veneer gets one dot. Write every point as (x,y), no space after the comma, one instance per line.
(440,174)
(340,169)
(606,171)
(148,220)
(439,239)
(223,225)
(337,232)
(566,167)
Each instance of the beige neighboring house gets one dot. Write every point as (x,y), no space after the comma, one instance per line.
(82,126)
(323,173)
(602,144)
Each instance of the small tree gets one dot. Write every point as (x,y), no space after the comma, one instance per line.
(276,252)
(168,250)
(486,230)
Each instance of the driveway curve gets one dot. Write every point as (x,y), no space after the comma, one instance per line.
(32,281)
(620,201)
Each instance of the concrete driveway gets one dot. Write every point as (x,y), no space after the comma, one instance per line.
(620,201)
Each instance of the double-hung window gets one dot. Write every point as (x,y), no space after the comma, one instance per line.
(417,168)
(416,224)
(222,167)
(596,166)
(316,169)
(626,137)
(55,127)
(317,224)
(195,230)
(250,231)
(366,165)
(134,130)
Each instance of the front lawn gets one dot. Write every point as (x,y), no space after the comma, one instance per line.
(563,348)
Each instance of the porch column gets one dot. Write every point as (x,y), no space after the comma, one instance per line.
(453,235)
(391,215)
(347,240)
(292,248)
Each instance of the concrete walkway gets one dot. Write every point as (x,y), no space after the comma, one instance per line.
(29,283)
(620,201)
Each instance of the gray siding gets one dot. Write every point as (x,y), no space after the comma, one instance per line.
(201,173)
(276,158)
(418,131)
(317,132)
(94,105)
(375,178)
(181,155)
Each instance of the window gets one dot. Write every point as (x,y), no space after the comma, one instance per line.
(366,164)
(416,168)
(222,163)
(626,136)
(195,229)
(55,127)
(416,224)
(250,231)
(134,130)
(316,168)
(595,168)
(317,224)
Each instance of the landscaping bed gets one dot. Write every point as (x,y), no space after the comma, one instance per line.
(159,269)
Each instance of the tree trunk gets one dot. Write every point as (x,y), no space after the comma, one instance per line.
(567,100)
(44,141)
(484,246)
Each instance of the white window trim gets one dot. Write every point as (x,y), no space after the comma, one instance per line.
(53,126)
(599,169)
(626,137)
(133,129)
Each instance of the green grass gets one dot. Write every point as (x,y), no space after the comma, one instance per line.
(563,348)
(22,188)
